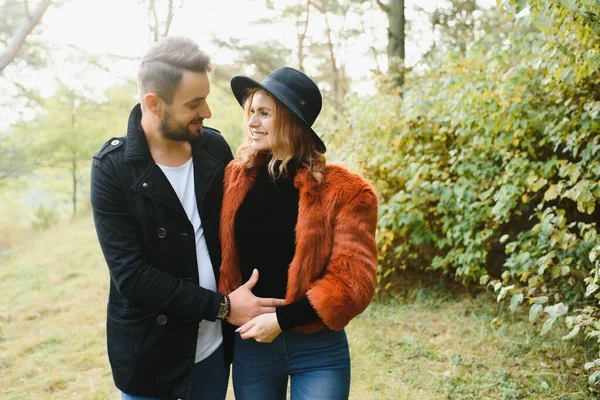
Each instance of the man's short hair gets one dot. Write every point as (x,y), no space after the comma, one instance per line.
(162,67)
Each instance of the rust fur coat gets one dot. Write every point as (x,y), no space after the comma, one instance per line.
(336,254)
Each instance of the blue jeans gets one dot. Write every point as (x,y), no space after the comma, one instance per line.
(318,365)
(209,379)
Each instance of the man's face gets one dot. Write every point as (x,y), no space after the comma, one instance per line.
(183,119)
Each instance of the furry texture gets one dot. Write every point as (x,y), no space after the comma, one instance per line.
(335,262)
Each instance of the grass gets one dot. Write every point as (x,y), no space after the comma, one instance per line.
(428,344)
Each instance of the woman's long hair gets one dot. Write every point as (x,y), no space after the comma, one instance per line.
(289,139)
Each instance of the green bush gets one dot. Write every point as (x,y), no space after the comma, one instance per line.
(488,166)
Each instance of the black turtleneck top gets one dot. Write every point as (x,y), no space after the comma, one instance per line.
(265,235)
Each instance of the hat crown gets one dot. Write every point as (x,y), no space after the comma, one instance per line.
(307,100)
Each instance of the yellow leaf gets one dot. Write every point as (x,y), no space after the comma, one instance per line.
(524,198)
(551,193)
(515,142)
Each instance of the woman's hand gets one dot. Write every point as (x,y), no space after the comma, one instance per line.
(263,328)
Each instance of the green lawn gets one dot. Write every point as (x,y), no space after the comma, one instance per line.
(429,345)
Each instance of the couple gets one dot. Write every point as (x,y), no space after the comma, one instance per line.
(259,260)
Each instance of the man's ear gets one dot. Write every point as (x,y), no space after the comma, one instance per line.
(153,104)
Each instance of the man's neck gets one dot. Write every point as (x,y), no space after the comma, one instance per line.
(170,153)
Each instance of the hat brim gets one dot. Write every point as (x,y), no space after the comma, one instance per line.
(241,84)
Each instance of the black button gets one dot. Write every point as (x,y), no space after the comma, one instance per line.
(161,319)
(161,232)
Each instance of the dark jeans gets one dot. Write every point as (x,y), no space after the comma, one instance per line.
(318,365)
(209,379)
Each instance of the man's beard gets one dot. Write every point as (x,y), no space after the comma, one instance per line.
(173,130)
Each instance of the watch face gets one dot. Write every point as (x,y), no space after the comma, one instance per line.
(222,311)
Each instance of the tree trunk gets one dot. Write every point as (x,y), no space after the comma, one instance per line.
(74,177)
(302,36)
(396,38)
(334,72)
(153,25)
(19,38)
(170,15)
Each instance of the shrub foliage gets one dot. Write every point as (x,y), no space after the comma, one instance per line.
(488,165)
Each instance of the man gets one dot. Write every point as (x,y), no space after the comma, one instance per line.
(156,197)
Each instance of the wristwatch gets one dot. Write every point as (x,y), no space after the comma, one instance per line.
(224,308)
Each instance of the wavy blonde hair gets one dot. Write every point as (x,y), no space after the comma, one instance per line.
(289,139)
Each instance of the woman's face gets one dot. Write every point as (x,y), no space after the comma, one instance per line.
(261,120)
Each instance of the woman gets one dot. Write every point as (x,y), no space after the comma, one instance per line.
(309,228)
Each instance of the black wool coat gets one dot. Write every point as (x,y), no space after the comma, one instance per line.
(155,302)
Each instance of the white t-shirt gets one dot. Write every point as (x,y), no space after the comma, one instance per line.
(182,181)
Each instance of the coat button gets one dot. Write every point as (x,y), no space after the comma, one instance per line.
(161,319)
(145,184)
(161,232)
(115,142)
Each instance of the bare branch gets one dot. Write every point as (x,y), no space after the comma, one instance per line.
(301,38)
(153,24)
(384,7)
(169,19)
(24,30)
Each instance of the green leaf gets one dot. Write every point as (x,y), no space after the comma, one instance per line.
(503,292)
(572,334)
(557,310)
(594,254)
(540,299)
(535,311)
(594,377)
(484,279)
(516,299)
(547,325)
(588,365)
(591,288)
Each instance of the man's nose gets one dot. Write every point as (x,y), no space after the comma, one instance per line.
(205,111)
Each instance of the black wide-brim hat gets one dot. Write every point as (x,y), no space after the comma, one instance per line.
(292,88)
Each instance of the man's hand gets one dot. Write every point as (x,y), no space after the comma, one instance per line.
(264,328)
(245,305)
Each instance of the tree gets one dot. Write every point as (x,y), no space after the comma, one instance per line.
(158,26)
(62,139)
(396,48)
(26,27)
(456,24)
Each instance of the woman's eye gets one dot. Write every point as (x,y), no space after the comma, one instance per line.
(265,114)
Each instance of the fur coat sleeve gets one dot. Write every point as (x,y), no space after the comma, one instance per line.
(348,282)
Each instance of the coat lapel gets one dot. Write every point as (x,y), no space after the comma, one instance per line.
(314,237)
(314,231)
(238,181)
(206,169)
(153,184)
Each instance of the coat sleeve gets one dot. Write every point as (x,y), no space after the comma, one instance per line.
(348,284)
(122,244)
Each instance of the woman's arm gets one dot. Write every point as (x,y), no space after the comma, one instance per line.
(348,284)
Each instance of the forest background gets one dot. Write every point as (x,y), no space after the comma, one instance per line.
(478,122)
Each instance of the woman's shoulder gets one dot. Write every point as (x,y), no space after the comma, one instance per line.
(340,176)
(345,184)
